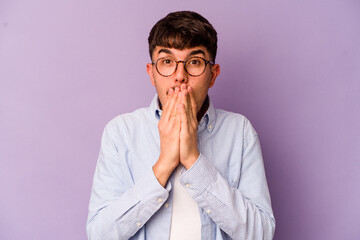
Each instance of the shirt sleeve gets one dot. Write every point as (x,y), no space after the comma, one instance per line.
(243,212)
(118,207)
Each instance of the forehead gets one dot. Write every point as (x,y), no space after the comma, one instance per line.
(180,53)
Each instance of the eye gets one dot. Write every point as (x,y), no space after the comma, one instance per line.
(167,61)
(194,61)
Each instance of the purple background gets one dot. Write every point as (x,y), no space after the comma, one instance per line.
(68,67)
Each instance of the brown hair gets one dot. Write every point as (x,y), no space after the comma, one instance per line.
(184,29)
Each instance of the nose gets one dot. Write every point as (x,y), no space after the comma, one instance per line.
(181,74)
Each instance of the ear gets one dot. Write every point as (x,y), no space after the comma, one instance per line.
(149,70)
(215,71)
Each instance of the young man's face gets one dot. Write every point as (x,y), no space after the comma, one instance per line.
(199,84)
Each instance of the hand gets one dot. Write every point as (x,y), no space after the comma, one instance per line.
(188,129)
(169,131)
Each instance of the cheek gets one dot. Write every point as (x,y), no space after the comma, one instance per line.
(199,98)
(162,98)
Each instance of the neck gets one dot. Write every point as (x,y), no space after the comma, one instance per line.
(203,109)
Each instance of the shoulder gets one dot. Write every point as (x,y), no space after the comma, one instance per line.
(227,117)
(237,122)
(127,121)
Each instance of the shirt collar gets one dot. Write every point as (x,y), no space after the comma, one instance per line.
(155,108)
(207,121)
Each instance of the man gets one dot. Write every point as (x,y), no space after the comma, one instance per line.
(180,169)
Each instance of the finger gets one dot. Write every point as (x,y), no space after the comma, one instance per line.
(183,118)
(189,108)
(169,96)
(169,110)
(183,94)
(177,118)
(192,103)
(174,121)
(186,102)
(183,86)
(174,110)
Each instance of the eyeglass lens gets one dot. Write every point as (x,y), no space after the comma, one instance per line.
(167,66)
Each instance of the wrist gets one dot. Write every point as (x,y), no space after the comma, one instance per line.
(162,170)
(190,160)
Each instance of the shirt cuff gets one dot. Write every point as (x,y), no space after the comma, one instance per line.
(149,187)
(199,177)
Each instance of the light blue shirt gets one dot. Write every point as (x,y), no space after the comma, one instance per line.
(227,181)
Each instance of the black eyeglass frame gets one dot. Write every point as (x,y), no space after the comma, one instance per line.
(182,61)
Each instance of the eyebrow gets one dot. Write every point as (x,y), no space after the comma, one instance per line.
(195,52)
(164,50)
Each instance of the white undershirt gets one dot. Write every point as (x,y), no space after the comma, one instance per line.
(185,221)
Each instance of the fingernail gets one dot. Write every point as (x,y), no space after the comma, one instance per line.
(170,91)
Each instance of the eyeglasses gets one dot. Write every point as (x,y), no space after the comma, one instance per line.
(194,66)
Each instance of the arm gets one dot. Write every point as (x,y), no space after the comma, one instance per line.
(118,207)
(243,212)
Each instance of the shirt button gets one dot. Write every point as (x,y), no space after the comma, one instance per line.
(166,205)
(208,211)
(138,224)
(159,200)
(187,185)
